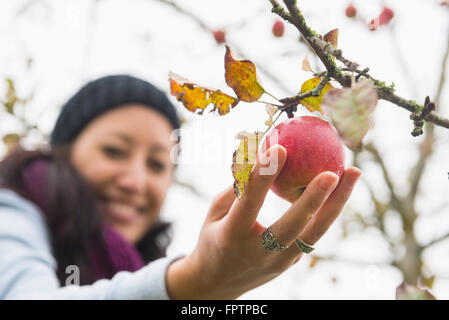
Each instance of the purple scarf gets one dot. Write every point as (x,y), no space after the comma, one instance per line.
(118,255)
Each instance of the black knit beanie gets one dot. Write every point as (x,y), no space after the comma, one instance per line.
(104,94)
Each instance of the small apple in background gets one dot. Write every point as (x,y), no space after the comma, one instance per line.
(220,36)
(383,19)
(313,146)
(351,11)
(278,28)
(385,16)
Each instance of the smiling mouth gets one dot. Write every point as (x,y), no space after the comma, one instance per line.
(122,213)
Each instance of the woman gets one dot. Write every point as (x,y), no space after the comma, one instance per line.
(88,208)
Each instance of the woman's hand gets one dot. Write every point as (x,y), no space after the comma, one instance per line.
(229,259)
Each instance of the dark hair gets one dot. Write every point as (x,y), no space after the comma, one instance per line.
(72,211)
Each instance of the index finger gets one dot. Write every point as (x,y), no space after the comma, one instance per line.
(269,164)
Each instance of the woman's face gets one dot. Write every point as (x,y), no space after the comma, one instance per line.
(125,156)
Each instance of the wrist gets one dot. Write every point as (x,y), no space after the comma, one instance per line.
(185,281)
(181,280)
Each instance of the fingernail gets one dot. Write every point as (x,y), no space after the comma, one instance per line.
(357,172)
(329,181)
(264,157)
(269,162)
(267,154)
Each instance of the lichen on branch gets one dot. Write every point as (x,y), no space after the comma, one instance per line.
(326,52)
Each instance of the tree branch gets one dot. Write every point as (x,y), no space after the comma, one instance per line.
(335,258)
(327,48)
(379,208)
(429,139)
(278,9)
(427,143)
(377,158)
(312,93)
(435,241)
(326,52)
(189,186)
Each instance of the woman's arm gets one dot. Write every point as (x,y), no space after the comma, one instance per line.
(28,269)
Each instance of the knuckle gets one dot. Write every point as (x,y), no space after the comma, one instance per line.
(289,232)
(262,174)
(343,197)
(316,233)
(313,203)
(296,259)
(249,205)
(216,206)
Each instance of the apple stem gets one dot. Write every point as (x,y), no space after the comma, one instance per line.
(274,121)
(272,96)
(273,104)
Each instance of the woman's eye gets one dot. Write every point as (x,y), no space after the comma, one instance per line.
(113,152)
(156,165)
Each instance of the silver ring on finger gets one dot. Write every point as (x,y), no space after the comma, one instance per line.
(270,243)
(304,247)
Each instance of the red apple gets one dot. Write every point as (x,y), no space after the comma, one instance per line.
(313,146)
(220,36)
(278,28)
(351,11)
(385,16)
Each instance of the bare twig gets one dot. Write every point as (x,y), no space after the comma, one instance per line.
(325,53)
(280,10)
(189,186)
(400,58)
(426,146)
(337,53)
(377,157)
(437,240)
(274,121)
(429,140)
(335,258)
(380,208)
(443,72)
(235,48)
(185,12)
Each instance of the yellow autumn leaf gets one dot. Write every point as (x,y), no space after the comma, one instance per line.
(222,102)
(10,97)
(244,159)
(313,103)
(241,77)
(11,140)
(196,98)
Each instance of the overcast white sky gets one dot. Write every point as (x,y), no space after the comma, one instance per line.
(72,42)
